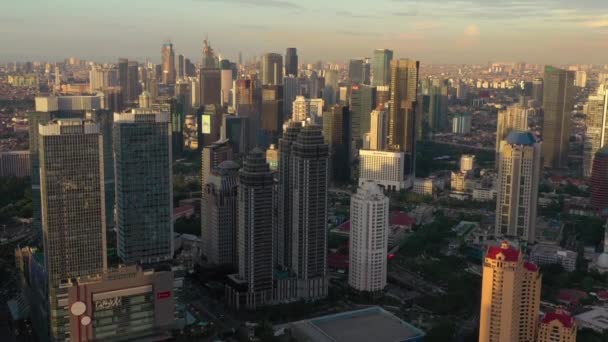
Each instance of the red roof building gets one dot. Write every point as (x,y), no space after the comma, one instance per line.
(504,252)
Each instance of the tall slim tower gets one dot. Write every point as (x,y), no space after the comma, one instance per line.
(558,97)
(518,176)
(355,71)
(272,69)
(537,89)
(73,199)
(362,101)
(168,63)
(510,296)
(123,77)
(309,182)
(132,81)
(401,126)
(181,67)
(219,222)
(596,135)
(291,62)
(255,230)
(284,210)
(368,244)
(378,129)
(514,118)
(144,191)
(382,67)
(599,182)
(438,107)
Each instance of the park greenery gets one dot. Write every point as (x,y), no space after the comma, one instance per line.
(15,199)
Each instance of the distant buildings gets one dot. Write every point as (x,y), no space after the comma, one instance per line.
(144,192)
(362,101)
(558,97)
(596,128)
(304,108)
(518,177)
(355,71)
(510,296)
(368,243)
(461,123)
(550,254)
(438,106)
(378,129)
(15,164)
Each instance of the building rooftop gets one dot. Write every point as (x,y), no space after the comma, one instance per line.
(560,315)
(370,324)
(508,252)
(521,138)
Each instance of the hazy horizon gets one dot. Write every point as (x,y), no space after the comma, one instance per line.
(433,31)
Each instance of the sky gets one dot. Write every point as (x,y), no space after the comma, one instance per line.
(432,31)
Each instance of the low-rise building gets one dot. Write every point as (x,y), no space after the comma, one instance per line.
(383,168)
(596,319)
(15,164)
(544,254)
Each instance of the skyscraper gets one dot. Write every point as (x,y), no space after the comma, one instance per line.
(272,110)
(291,62)
(382,67)
(309,185)
(212,156)
(272,69)
(362,101)
(144,192)
(168,63)
(355,71)
(596,125)
(599,182)
(438,107)
(558,97)
(284,210)
(336,133)
(72,199)
(181,71)
(132,81)
(401,126)
(253,284)
(514,118)
(510,296)
(209,60)
(219,222)
(368,243)
(378,129)
(518,177)
(537,89)
(304,108)
(123,77)
(210,83)
(290,92)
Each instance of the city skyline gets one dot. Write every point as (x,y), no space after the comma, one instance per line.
(432,31)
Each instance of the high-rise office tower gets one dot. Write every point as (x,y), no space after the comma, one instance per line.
(362,102)
(401,124)
(537,89)
(368,243)
(132,81)
(596,125)
(518,177)
(514,118)
(309,185)
(382,67)
(210,83)
(226,85)
(558,325)
(383,95)
(581,79)
(212,156)
(123,77)
(73,199)
(102,77)
(237,129)
(284,206)
(189,69)
(304,109)
(558,97)
(332,79)
(599,182)
(168,64)
(144,193)
(254,281)
(272,110)
(219,222)
(355,71)
(336,134)
(181,71)
(438,107)
(510,296)
(367,72)
(290,92)
(272,69)
(378,129)
(291,62)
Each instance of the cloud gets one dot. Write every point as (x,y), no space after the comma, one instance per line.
(357,33)
(254,27)
(472,31)
(406,14)
(350,14)
(603,23)
(259,3)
